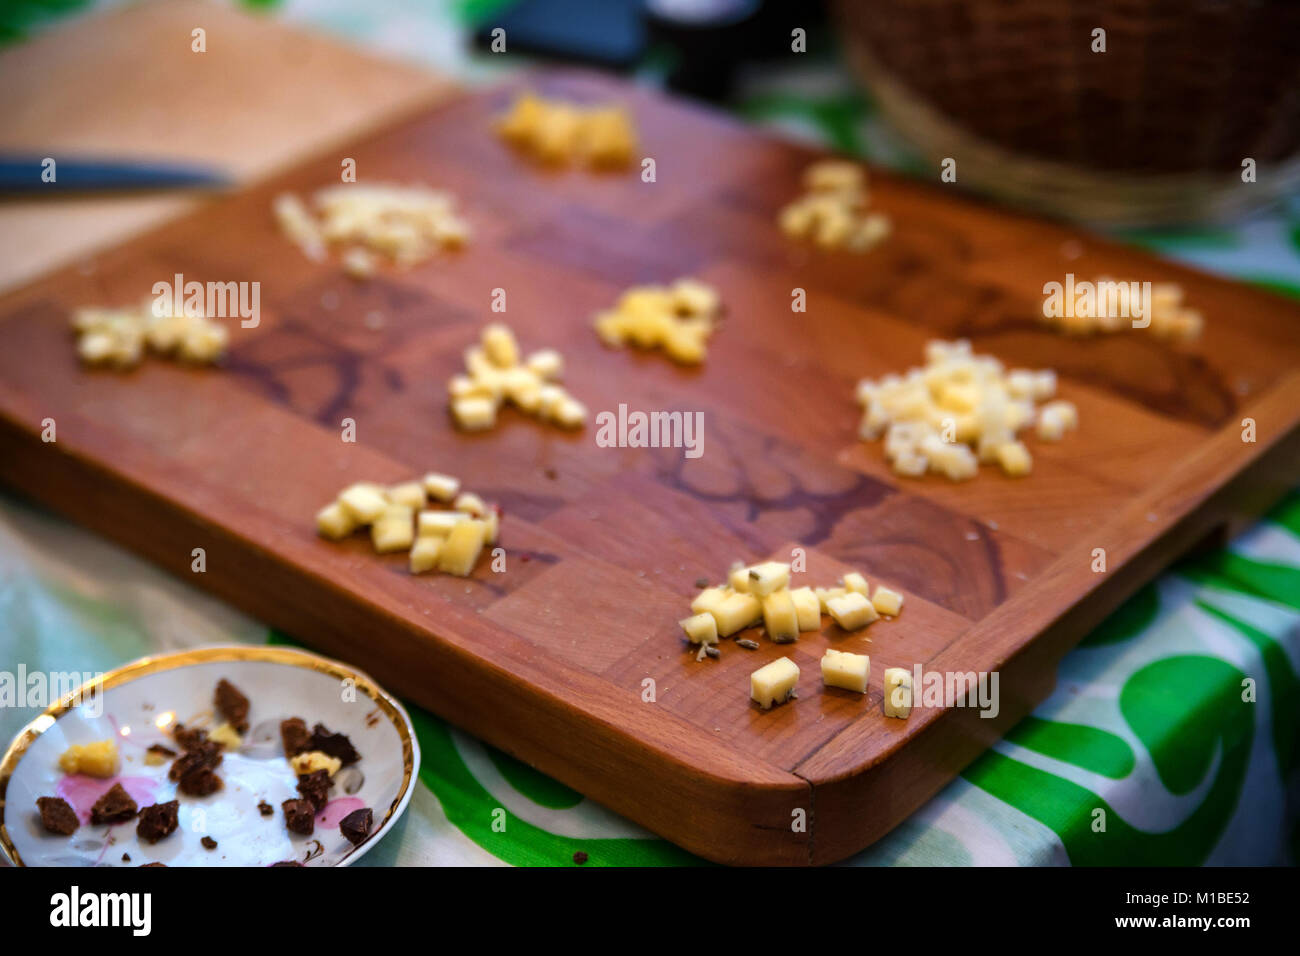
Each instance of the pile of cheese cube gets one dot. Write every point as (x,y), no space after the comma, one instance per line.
(407,224)
(557,133)
(775,683)
(449,540)
(960,410)
(678,318)
(119,337)
(495,375)
(833,212)
(761,593)
(1170,317)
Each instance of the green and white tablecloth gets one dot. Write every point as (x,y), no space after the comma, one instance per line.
(1171,737)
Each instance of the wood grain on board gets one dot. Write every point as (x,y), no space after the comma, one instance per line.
(549,660)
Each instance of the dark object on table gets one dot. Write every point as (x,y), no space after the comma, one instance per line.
(31,175)
(57,815)
(609,33)
(157,821)
(356,825)
(115,806)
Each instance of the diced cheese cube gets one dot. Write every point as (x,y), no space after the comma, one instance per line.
(898,692)
(887,601)
(491,526)
(825,594)
(709,600)
(470,503)
(737,612)
(394,530)
(335,522)
(441,487)
(1014,458)
(700,628)
(849,671)
(739,578)
(853,581)
(462,547)
(768,577)
(424,553)
(780,617)
(474,414)
(852,611)
(227,736)
(98,759)
(364,501)
(774,683)
(409,493)
(807,608)
(438,524)
(500,346)
(546,364)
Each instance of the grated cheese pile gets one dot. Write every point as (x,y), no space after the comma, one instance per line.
(557,133)
(406,224)
(960,410)
(399,518)
(833,212)
(677,318)
(496,376)
(120,337)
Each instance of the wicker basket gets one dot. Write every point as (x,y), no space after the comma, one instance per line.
(1151,132)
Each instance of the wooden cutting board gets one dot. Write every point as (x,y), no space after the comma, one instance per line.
(550,660)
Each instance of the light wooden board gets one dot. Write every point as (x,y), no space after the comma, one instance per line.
(549,659)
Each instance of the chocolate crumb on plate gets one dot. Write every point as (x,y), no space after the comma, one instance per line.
(126,857)
(208,843)
(157,821)
(144,866)
(115,806)
(356,825)
(580,858)
(231,704)
(315,788)
(57,815)
(335,745)
(287,863)
(189,738)
(265,809)
(295,736)
(162,751)
(299,816)
(193,770)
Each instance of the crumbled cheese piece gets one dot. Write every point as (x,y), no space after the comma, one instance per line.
(441,487)
(424,553)
(394,530)
(852,611)
(461,548)
(709,600)
(737,612)
(959,410)
(898,692)
(780,617)
(1105,306)
(887,601)
(495,376)
(227,736)
(774,683)
(700,628)
(833,212)
(310,761)
(98,759)
(554,133)
(364,502)
(407,224)
(849,671)
(470,504)
(679,319)
(825,594)
(118,337)
(438,524)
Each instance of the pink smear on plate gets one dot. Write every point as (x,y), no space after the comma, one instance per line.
(82,791)
(337,809)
